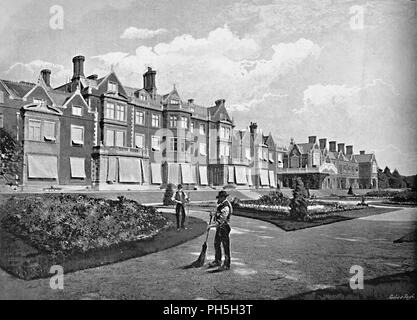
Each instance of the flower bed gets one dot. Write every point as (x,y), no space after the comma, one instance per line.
(61,224)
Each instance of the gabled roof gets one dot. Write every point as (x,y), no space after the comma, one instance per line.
(361,158)
(18,89)
(305,147)
(171,95)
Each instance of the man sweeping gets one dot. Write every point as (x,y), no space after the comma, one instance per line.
(221,218)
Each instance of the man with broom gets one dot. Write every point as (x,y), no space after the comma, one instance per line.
(221,221)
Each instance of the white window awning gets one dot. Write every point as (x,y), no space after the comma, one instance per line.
(249,174)
(77,166)
(231,174)
(272,181)
(203,175)
(174,173)
(186,174)
(240,173)
(264,177)
(130,170)
(156,173)
(42,167)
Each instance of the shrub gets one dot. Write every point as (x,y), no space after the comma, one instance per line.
(66,223)
(11,157)
(350,191)
(405,196)
(169,192)
(299,203)
(275,198)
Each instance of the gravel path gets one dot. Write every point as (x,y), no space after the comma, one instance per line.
(267,263)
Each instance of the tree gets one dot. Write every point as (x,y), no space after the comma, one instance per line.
(169,192)
(299,203)
(11,158)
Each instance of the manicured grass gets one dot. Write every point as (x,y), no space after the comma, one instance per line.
(291,225)
(26,262)
(400,286)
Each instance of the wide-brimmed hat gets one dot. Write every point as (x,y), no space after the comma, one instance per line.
(222,194)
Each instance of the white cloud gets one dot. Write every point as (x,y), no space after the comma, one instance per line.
(30,71)
(221,65)
(135,33)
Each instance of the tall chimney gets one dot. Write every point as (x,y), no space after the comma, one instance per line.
(323,143)
(341,147)
(332,146)
(253,127)
(78,63)
(362,152)
(46,76)
(149,83)
(349,150)
(312,139)
(220,102)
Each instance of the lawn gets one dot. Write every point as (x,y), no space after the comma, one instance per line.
(292,225)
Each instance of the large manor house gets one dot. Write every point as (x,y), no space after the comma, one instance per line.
(97,133)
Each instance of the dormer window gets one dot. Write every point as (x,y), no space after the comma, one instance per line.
(112,87)
(142,97)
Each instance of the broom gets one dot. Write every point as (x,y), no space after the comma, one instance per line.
(202,257)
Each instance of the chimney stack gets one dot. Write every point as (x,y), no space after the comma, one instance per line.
(341,147)
(190,101)
(362,152)
(349,150)
(332,146)
(253,127)
(46,76)
(220,102)
(323,143)
(93,77)
(149,83)
(78,63)
(312,139)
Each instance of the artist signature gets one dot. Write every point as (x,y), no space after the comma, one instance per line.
(402,296)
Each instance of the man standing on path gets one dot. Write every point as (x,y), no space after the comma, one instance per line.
(222,224)
(180,198)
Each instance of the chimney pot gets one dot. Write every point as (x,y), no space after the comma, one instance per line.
(349,150)
(93,77)
(78,63)
(323,143)
(362,152)
(191,101)
(332,146)
(46,76)
(341,147)
(312,139)
(220,102)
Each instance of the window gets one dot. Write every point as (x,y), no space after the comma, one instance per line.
(77,111)
(120,139)
(190,147)
(139,141)
(192,127)
(176,102)
(222,132)
(156,142)
(109,138)
(247,154)
(173,145)
(142,97)
(77,135)
(37,100)
(120,112)
(111,87)
(224,150)
(109,111)
(203,147)
(202,129)
(184,122)
(34,130)
(1,97)
(49,131)
(1,121)
(155,120)
(182,147)
(173,121)
(139,117)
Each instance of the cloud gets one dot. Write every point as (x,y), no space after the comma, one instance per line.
(30,71)
(135,33)
(220,65)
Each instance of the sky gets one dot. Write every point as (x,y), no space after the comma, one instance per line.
(344,70)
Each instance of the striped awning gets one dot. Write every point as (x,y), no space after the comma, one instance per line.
(173,173)
(186,174)
(264,177)
(272,181)
(77,168)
